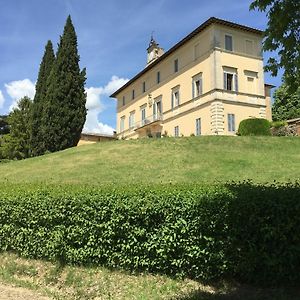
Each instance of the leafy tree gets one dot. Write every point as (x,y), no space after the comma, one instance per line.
(282,35)
(286,105)
(4,128)
(16,145)
(39,118)
(66,97)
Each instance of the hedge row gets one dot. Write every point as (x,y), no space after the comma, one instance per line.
(243,231)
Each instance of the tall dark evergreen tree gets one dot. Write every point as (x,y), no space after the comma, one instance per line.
(66,97)
(16,145)
(39,118)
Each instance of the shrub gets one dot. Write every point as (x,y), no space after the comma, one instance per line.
(244,231)
(254,126)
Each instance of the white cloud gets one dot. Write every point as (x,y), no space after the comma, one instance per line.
(18,89)
(114,84)
(95,106)
(1,99)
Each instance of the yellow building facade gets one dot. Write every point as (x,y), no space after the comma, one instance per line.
(204,85)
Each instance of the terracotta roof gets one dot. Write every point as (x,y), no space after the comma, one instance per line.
(203,26)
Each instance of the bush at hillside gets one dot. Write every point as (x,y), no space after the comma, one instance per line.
(243,231)
(254,127)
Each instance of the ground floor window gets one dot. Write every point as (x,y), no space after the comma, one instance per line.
(122,123)
(176,131)
(231,122)
(198,126)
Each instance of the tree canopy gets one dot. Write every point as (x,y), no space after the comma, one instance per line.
(282,35)
(65,97)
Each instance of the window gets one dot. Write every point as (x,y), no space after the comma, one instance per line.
(231,122)
(122,123)
(144,87)
(131,120)
(123,100)
(198,126)
(133,94)
(157,109)
(176,65)
(175,98)
(176,131)
(249,47)
(230,81)
(228,42)
(143,115)
(158,77)
(196,51)
(197,86)
(250,85)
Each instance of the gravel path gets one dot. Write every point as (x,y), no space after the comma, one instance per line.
(16,293)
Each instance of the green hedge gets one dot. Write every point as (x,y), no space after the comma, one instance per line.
(254,126)
(243,231)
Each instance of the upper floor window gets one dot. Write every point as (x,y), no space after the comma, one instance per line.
(158,77)
(122,123)
(197,86)
(144,87)
(176,65)
(123,100)
(231,122)
(230,81)
(228,42)
(176,131)
(133,95)
(198,126)
(175,101)
(249,47)
(131,119)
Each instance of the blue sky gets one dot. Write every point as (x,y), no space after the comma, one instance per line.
(112,40)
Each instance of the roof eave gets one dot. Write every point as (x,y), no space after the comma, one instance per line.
(203,26)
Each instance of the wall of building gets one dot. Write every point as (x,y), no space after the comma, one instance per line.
(203,54)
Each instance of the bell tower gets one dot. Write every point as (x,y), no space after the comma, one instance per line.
(153,51)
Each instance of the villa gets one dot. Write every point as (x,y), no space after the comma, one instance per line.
(204,85)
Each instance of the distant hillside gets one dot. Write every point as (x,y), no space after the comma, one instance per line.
(194,159)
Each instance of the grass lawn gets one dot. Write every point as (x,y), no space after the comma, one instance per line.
(72,282)
(193,159)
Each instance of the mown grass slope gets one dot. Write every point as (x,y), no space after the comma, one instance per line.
(193,159)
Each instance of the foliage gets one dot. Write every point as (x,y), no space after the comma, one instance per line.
(243,231)
(254,126)
(4,127)
(16,145)
(282,35)
(278,124)
(65,97)
(39,118)
(286,105)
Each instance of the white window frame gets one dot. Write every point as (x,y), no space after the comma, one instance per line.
(234,86)
(198,127)
(157,112)
(175,101)
(231,122)
(176,131)
(122,123)
(143,114)
(195,79)
(131,119)
(228,35)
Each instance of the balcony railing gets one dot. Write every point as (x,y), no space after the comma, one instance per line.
(149,120)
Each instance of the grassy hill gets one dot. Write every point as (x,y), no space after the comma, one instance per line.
(194,159)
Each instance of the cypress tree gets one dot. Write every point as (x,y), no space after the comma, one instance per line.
(66,97)
(39,118)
